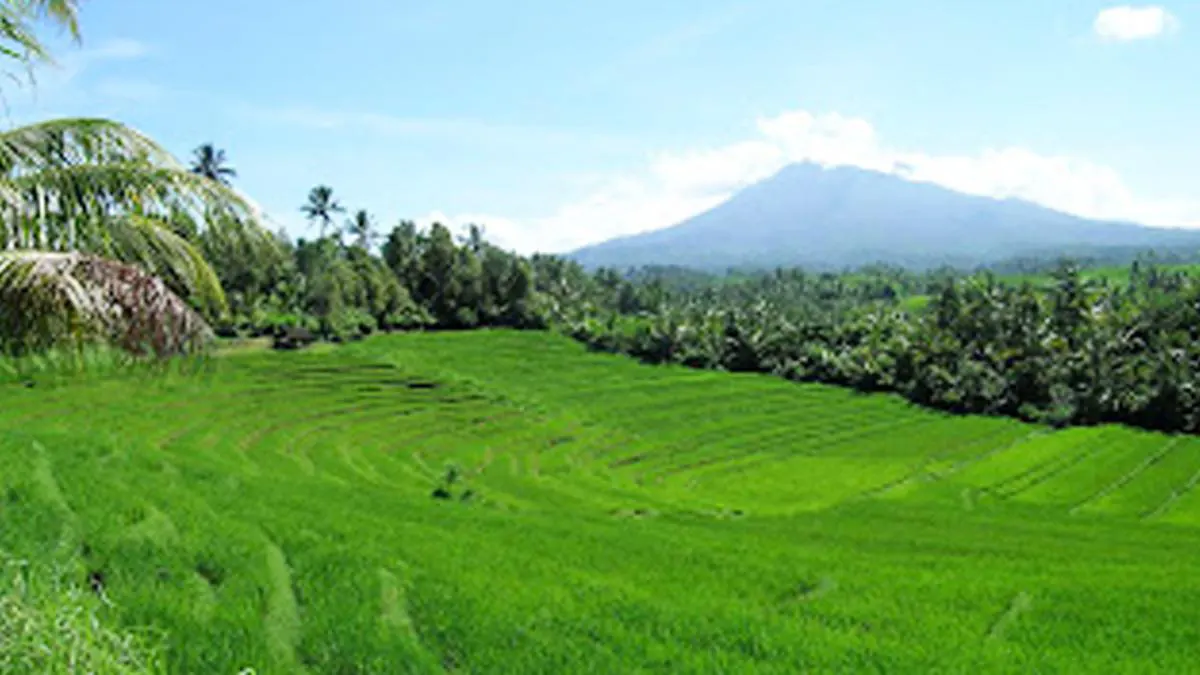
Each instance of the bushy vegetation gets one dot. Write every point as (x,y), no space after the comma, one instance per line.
(286,512)
(1068,349)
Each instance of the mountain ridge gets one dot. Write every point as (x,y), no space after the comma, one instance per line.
(842,216)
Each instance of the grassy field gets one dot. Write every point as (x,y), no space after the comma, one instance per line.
(277,511)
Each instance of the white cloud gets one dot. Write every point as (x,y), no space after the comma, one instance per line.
(716,172)
(622,206)
(674,186)
(1126,22)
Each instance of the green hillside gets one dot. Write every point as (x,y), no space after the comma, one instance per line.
(280,514)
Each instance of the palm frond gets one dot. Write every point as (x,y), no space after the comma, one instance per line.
(153,245)
(77,140)
(51,298)
(117,188)
(107,209)
(18,40)
(65,13)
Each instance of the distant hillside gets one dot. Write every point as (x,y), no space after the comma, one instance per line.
(838,217)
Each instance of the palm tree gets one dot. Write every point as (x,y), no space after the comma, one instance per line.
(321,207)
(362,227)
(210,162)
(89,210)
(88,214)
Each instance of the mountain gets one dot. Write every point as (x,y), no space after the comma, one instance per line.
(844,217)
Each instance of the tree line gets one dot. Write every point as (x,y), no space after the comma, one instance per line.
(341,285)
(1071,350)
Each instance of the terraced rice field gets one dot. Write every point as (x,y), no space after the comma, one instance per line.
(276,512)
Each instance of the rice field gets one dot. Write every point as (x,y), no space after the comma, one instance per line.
(1113,274)
(502,502)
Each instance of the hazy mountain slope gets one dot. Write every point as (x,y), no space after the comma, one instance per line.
(809,215)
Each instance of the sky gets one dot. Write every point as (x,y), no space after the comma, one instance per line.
(556,124)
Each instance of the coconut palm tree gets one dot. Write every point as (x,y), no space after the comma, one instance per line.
(321,207)
(210,162)
(89,210)
(361,226)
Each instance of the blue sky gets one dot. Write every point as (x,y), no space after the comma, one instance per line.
(555,124)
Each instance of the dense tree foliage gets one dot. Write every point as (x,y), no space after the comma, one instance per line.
(419,279)
(1073,350)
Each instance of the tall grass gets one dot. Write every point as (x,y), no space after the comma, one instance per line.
(63,366)
(295,513)
(51,626)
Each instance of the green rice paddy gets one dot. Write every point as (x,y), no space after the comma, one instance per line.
(277,512)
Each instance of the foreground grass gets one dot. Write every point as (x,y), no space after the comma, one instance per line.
(275,511)
(50,625)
